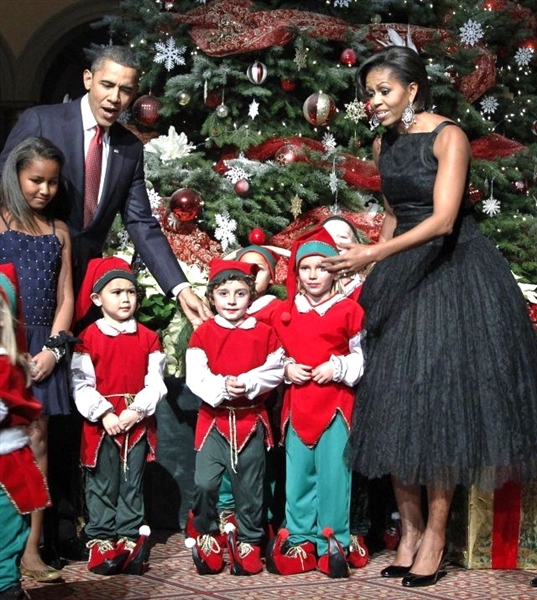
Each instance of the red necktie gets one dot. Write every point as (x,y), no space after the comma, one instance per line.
(92,179)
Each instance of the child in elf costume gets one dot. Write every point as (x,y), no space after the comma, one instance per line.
(23,488)
(320,330)
(261,308)
(232,363)
(117,370)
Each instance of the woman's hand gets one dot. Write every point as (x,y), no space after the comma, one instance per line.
(355,258)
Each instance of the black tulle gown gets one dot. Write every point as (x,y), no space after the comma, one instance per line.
(449,393)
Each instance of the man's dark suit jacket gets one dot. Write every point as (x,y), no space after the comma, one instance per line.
(124,190)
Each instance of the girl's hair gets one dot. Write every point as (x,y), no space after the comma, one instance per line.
(250,282)
(336,288)
(406,66)
(8,339)
(11,198)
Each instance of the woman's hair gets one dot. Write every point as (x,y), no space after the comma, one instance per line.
(406,66)
(250,282)
(11,198)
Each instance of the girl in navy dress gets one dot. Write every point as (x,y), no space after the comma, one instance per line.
(40,248)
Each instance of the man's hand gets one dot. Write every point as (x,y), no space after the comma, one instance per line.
(196,311)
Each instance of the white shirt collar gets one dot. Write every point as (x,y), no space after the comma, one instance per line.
(248,323)
(260,303)
(116,329)
(88,120)
(303,305)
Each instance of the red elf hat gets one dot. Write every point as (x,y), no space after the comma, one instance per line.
(220,270)
(315,242)
(267,255)
(100,271)
(10,291)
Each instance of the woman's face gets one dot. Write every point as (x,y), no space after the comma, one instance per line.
(341,233)
(387,96)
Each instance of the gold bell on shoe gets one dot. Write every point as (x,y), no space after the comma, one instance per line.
(46,575)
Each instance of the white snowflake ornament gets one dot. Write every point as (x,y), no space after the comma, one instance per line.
(491,207)
(235,173)
(523,57)
(471,32)
(329,143)
(154,199)
(253,110)
(355,111)
(225,230)
(169,54)
(341,3)
(489,104)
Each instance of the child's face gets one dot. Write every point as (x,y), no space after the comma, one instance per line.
(117,300)
(341,233)
(231,300)
(315,281)
(39,182)
(263,278)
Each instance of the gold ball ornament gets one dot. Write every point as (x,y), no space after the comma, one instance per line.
(318,108)
(183,98)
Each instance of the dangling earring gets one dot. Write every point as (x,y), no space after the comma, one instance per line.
(409,116)
(374,122)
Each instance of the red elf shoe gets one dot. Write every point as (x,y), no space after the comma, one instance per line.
(358,555)
(334,562)
(284,559)
(207,554)
(105,557)
(245,558)
(137,561)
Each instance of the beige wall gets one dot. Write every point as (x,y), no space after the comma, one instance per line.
(20,19)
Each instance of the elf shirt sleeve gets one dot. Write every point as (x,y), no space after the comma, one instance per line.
(209,387)
(146,400)
(90,404)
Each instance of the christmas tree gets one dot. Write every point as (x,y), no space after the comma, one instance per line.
(252,120)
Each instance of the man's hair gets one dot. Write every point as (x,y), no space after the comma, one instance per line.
(122,55)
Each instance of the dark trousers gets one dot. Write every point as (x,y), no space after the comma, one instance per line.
(114,497)
(212,460)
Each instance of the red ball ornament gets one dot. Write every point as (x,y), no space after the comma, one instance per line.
(146,110)
(242,186)
(495,5)
(257,72)
(287,85)
(534,127)
(531,44)
(257,236)
(348,57)
(213,99)
(185,204)
(318,108)
(287,154)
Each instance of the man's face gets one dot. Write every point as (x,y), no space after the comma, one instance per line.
(111,90)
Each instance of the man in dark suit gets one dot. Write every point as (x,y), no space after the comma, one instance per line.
(111,83)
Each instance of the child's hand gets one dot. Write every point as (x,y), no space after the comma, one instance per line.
(43,365)
(234,388)
(111,424)
(297,373)
(323,373)
(128,418)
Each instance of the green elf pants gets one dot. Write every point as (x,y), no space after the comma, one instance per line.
(15,530)
(318,487)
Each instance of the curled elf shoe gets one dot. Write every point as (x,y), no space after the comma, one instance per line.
(45,575)
(225,517)
(207,554)
(358,555)
(245,558)
(284,559)
(334,562)
(137,562)
(106,557)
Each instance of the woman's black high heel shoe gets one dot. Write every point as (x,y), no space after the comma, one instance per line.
(395,571)
(413,580)
(533,582)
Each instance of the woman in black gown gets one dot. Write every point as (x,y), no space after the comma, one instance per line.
(449,394)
